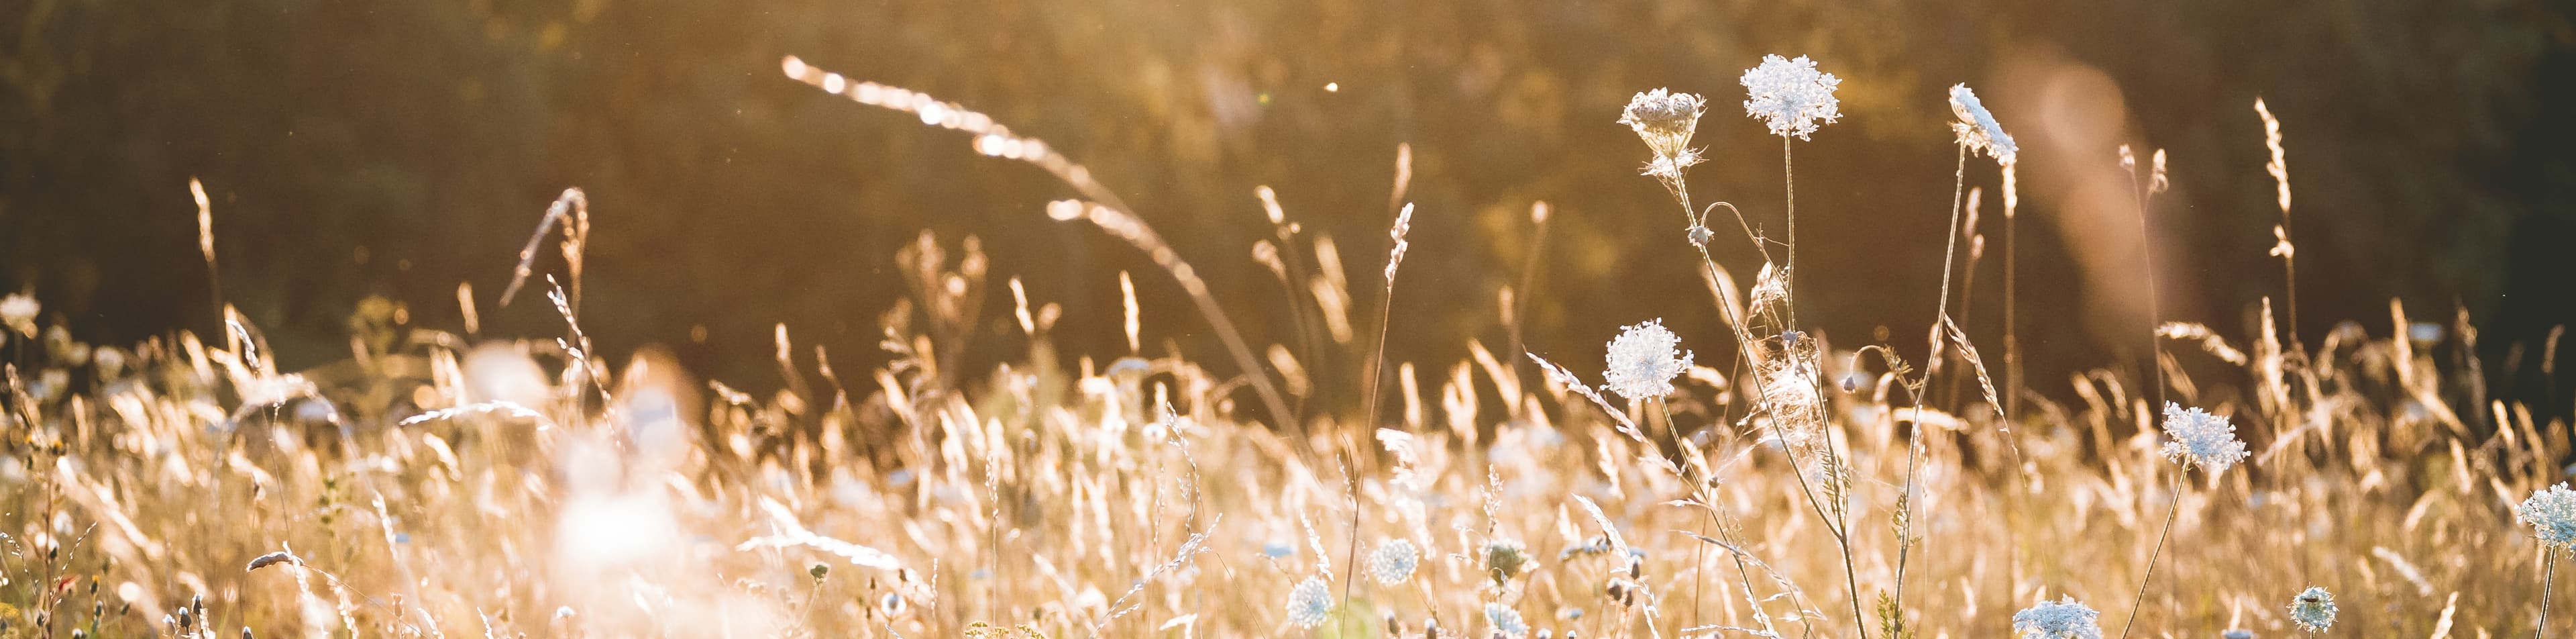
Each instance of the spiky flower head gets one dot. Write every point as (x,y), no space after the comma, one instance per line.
(1309,603)
(1506,621)
(2313,609)
(2551,512)
(1643,361)
(1394,561)
(2201,439)
(18,312)
(2062,619)
(1977,128)
(1665,120)
(1790,95)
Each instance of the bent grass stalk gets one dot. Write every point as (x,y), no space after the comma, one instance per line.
(1104,209)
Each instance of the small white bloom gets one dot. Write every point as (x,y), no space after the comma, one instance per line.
(2551,512)
(2313,609)
(2201,439)
(1790,95)
(18,312)
(1665,121)
(2063,619)
(1309,603)
(1977,127)
(1394,561)
(1506,621)
(1643,361)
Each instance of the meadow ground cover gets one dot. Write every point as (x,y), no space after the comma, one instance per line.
(1785,483)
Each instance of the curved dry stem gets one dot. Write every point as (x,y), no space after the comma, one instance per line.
(2167,531)
(1105,209)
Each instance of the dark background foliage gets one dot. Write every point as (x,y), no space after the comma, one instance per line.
(398,148)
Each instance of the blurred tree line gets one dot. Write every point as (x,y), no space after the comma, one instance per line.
(399,148)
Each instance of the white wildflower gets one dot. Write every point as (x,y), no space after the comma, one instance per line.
(18,312)
(2313,609)
(1643,361)
(1790,95)
(2551,512)
(1506,621)
(1977,128)
(1309,603)
(1665,120)
(1394,561)
(2063,619)
(2201,439)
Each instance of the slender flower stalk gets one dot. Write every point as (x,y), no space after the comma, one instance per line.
(1794,99)
(2197,439)
(1696,232)
(2551,513)
(1977,132)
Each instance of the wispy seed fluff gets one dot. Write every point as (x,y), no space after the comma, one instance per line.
(1977,128)
(1309,603)
(1506,621)
(2551,512)
(1665,120)
(1643,361)
(1790,95)
(2201,439)
(1394,561)
(2063,619)
(2313,609)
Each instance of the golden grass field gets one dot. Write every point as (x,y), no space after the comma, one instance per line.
(446,482)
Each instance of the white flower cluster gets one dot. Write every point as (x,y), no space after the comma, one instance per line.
(2551,512)
(1643,361)
(2201,439)
(2313,609)
(1665,120)
(1506,621)
(1977,128)
(1394,561)
(2063,619)
(1790,95)
(1309,603)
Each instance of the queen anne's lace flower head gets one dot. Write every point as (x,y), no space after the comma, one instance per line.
(2201,439)
(1309,603)
(2551,512)
(1394,561)
(2063,619)
(1665,120)
(1790,95)
(1643,361)
(1977,128)
(1506,621)
(2313,609)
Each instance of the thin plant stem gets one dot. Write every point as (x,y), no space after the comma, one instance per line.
(2155,315)
(1914,435)
(2012,291)
(1698,551)
(2170,509)
(2548,575)
(1377,373)
(1789,174)
(1744,342)
(1521,294)
(1121,222)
